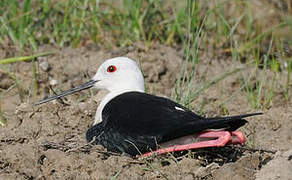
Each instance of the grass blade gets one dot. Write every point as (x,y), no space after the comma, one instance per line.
(253,42)
(2,118)
(289,69)
(24,58)
(211,83)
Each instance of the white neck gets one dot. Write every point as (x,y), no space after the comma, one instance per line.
(107,98)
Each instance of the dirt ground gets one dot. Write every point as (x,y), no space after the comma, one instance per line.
(48,141)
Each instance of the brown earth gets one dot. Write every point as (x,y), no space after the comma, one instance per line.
(48,141)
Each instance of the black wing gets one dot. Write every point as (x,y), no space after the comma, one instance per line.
(146,115)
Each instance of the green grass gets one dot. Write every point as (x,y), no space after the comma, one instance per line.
(23,58)
(288,84)
(231,26)
(2,118)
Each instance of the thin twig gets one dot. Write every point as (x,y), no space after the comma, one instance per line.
(60,100)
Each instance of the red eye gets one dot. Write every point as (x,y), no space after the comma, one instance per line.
(111,69)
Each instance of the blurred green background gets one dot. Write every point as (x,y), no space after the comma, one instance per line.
(254,32)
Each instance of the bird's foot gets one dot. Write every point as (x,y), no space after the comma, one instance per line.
(219,139)
(237,137)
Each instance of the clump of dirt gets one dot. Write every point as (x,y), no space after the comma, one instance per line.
(48,141)
(278,168)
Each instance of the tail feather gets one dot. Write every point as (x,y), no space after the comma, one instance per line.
(229,123)
(234,117)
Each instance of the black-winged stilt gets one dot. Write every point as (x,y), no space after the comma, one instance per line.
(128,120)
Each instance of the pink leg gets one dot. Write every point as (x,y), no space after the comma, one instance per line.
(223,137)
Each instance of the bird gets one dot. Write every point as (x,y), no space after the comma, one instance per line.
(130,121)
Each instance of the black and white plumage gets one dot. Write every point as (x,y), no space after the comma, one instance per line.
(130,121)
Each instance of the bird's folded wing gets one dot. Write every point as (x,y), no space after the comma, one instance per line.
(145,115)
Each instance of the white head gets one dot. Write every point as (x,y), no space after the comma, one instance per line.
(119,74)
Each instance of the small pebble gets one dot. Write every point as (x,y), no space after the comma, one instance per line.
(45,66)
(53,82)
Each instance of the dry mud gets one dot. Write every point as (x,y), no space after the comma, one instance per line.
(48,141)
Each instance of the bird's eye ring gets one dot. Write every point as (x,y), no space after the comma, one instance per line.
(111,69)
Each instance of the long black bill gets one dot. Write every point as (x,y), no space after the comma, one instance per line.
(81,87)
